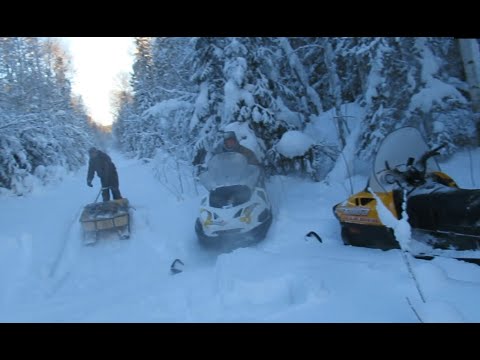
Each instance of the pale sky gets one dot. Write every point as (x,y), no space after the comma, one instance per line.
(97,61)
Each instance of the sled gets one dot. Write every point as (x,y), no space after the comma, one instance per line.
(101,218)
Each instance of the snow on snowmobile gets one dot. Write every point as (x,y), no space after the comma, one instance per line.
(444,219)
(236,212)
(102,218)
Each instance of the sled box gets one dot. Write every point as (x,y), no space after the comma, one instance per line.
(107,215)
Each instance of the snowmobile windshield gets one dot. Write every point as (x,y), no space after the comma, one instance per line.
(227,169)
(396,149)
(230,196)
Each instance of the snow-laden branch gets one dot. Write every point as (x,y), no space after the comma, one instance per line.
(15,123)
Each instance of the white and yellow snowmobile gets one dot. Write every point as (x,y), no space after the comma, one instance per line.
(445,219)
(236,212)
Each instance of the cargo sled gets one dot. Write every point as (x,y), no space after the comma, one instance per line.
(102,218)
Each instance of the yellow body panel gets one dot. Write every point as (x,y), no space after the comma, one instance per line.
(361,208)
(444,179)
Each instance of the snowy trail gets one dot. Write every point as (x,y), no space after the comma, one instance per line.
(112,265)
(46,274)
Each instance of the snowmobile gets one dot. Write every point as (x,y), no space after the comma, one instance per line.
(101,218)
(444,219)
(236,212)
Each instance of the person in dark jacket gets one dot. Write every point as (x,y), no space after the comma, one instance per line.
(230,143)
(104,167)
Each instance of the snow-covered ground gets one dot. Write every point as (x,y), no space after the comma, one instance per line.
(46,275)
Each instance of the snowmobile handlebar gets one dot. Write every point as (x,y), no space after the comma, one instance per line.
(429,154)
(414,174)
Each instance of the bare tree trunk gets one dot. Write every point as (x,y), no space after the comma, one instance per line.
(471,63)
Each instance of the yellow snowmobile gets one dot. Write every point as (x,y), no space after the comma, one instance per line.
(445,220)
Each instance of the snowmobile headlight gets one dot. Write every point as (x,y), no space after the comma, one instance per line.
(247,212)
(206,217)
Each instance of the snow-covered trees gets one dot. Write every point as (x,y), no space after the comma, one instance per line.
(186,91)
(418,82)
(41,127)
(158,114)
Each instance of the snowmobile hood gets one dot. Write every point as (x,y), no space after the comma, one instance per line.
(227,169)
(396,149)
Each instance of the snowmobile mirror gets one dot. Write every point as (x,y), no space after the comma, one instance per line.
(410,161)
